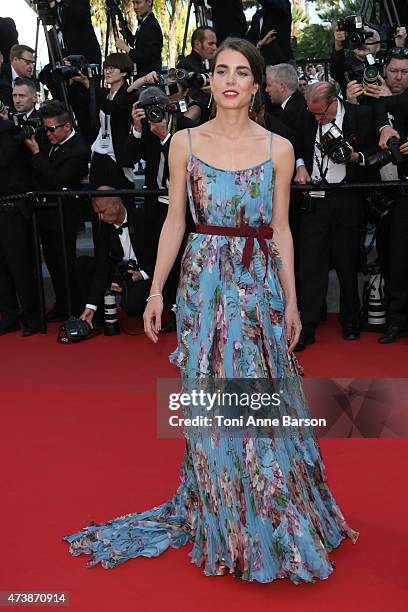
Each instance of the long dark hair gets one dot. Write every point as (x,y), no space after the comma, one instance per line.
(248,50)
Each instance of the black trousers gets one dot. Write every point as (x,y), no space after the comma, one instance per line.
(52,244)
(17,280)
(330,233)
(397,272)
(134,297)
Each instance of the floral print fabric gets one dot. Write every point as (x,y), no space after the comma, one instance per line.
(261,505)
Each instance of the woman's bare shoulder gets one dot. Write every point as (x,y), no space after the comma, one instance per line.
(282,145)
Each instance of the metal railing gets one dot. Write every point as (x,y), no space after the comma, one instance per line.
(37,198)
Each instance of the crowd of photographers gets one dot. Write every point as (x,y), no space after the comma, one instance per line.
(347,123)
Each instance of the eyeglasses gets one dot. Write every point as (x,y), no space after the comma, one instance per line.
(110,68)
(52,128)
(398,52)
(27,61)
(325,110)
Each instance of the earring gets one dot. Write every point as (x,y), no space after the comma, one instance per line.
(211,99)
(251,106)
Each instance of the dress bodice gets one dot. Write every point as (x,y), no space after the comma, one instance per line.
(230,197)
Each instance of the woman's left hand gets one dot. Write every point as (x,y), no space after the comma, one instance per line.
(293,326)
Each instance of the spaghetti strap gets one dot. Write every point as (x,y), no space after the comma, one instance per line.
(270,148)
(190,141)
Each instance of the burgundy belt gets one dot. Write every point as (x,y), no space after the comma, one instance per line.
(262,233)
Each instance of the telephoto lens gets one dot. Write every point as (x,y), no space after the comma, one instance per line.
(111,323)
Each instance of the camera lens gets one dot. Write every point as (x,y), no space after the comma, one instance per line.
(155,114)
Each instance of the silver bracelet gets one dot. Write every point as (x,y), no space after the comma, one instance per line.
(155,295)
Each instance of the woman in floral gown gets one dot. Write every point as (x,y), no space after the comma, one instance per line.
(258,507)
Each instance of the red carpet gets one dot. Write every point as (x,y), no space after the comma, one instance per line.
(78,443)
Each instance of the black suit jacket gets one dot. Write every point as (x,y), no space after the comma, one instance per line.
(276,15)
(291,116)
(228,18)
(149,148)
(357,129)
(147,45)
(77,29)
(65,167)
(109,251)
(119,109)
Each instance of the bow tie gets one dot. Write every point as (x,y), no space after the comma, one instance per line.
(121,227)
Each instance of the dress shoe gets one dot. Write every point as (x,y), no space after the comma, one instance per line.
(351,333)
(391,333)
(5,327)
(304,341)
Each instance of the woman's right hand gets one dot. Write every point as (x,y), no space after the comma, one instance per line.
(152,318)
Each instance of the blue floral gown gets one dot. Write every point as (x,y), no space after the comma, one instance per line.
(259,505)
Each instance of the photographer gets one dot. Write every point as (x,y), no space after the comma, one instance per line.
(18,289)
(21,65)
(150,140)
(392,235)
(228,18)
(332,222)
(114,107)
(344,63)
(62,163)
(121,255)
(146,44)
(203,45)
(73,18)
(270,31)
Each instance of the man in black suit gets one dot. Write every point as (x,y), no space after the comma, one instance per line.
(228,18)
(282,85)
(74,18)
(204,46)
(151,142)
(270,31)
(121,237)
(18,290)
(20,65)
(146,44)
(62,164)
(332,223)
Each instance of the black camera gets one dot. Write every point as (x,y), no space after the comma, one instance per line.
(156,103)
(392,154)
(27,126)
(333,144)
(379,203)
(366,73)
(77,65)
(353,25)
(125,269)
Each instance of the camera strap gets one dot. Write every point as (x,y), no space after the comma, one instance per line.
(320,161)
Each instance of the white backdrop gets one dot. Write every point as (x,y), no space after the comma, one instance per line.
(26,22)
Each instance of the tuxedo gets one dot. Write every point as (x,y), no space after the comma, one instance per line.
(63,165)
(149,148)
(276,15)
(147,45)
(332,227)
(109,252)
(291,115)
